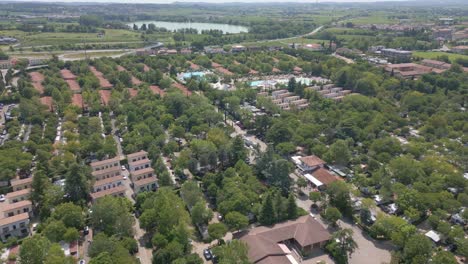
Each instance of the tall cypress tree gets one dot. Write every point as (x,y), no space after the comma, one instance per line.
(267,214)
(292,207)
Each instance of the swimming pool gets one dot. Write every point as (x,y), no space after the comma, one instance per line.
(305,81)
(256,83)
(188,75)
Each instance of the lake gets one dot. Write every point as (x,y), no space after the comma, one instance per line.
(226,28)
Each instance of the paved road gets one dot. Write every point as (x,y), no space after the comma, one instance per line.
(347,60)
(144,254)
(369,251)
(304,35)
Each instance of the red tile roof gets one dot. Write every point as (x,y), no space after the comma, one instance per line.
(103,82)
(137,154)
(275,70)
(133,92)
(263,241)
(182,87)
(14,219)
(102,162)
(312,161)
(224,71)
(156,90)
(6,207)
(36,76)
(11,195)
(136,81)
(143,171)
(77,100)
(145,181)
(252,71)
(194,66)
(324,176)
(38,87)
(48,101)
(74,86)
(107,181)
(67,74)
(117,190)
(215,65)
(146,68)
(16,182)
(105,96)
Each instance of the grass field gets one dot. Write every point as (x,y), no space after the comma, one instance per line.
(60,38)
(434,54)
(374,18)
(96,54)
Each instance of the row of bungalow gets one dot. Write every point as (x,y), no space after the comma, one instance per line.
(315,171)
(108,177)
(16,209)
(285,100)
(142,175)
(330,91)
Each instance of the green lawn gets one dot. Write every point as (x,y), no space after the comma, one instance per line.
(373,18)
(93,54)
(434,54)
(58,38)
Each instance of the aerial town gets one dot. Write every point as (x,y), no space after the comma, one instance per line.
(197,133)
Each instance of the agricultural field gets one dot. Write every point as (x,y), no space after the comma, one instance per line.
(435,54)
(61,38)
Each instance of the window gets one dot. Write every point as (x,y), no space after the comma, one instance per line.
(5,229)
(26,210)
(10,214)
(22,225)
(14,227)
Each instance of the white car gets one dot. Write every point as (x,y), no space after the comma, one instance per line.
(123,167)
(124,177)
(2,198)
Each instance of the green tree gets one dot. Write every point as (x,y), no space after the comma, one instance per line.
(54,231)
(418,247)
(234,252)
(34,250)
(267,213)
(200,213)
(70,214)
(76,184)
(236,221)
(292,207)
(444,257)
(339,153)
(55,255)
(112,216)
(315,197)
(339,196)
(331,214)
(342,245)
(163,211)
(217,230)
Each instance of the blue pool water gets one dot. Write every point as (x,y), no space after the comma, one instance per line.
(188,75)
(256,83)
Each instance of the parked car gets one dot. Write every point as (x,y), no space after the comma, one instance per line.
(2,198)
(207,254)
(86,230)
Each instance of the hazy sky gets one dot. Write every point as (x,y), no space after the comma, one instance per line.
(210,1)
